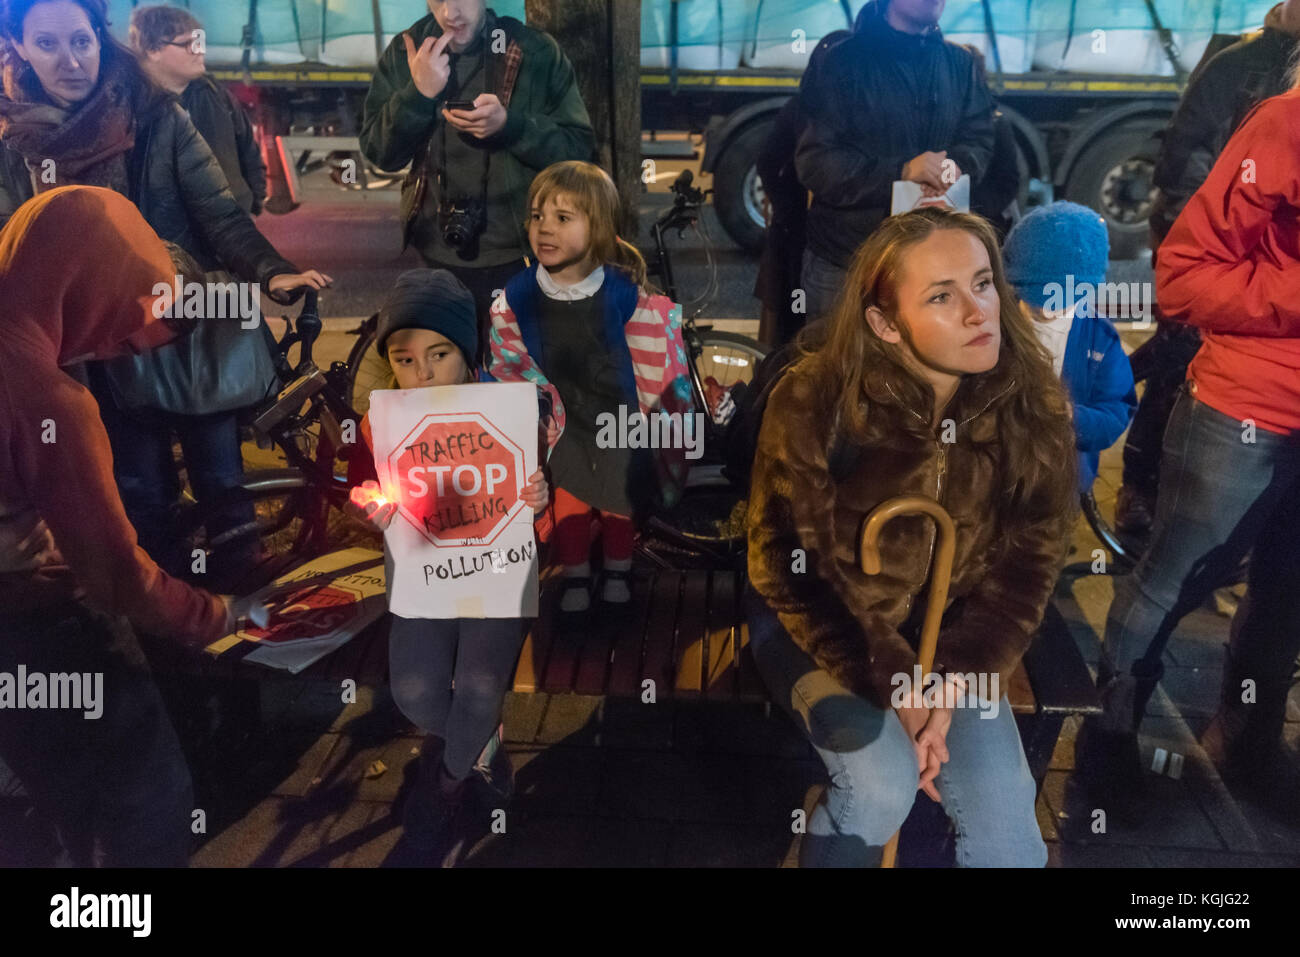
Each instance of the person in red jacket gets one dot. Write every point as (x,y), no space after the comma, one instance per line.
(78,266)
(1230,479)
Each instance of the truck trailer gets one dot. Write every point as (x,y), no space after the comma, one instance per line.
(1087,87)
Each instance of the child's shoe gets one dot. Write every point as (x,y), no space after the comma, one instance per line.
(576,596)
(617,572)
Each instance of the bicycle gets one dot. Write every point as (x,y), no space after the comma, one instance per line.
(296,509)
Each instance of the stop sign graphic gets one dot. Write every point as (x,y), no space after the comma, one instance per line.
(458,478)
(310,612)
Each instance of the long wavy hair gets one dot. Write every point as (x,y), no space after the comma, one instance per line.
(20,80)
(867,373)
(596,196)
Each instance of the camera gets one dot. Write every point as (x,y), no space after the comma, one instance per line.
(463,222)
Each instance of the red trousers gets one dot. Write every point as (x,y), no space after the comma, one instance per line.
(575,529)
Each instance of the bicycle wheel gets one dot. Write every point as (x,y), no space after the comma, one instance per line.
(257,530)
(728,357)
(706,529)
(367,370)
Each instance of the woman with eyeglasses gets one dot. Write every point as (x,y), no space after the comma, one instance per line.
(171,46)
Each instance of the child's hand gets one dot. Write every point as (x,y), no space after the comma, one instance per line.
(552,431)
(536,494)
(366,502)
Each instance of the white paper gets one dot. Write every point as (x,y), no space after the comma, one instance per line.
(455,459)
(314,609)
(907,195)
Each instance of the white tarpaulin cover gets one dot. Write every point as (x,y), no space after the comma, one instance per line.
(765,34)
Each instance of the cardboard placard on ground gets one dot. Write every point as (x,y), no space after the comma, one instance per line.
(455,459)
(315,608)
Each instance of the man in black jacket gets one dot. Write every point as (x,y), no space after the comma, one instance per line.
(1222,90)
(893,102)
(478,105)
(169,42)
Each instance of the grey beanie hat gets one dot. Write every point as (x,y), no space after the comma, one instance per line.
(431,299)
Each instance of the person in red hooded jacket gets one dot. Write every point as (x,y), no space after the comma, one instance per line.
(1230,467)
(78,266)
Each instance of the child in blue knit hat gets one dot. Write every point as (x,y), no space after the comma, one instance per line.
(1056,258)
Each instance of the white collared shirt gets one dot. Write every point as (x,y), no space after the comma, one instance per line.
(583,289)
(1053,332)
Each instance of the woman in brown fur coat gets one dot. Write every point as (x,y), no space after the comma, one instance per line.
(927,380)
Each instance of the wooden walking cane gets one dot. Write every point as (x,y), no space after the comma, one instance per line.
(940,576)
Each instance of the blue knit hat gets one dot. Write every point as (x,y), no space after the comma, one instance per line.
(1051,243)
(431,299)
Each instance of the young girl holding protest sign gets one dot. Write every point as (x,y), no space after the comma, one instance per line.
(613,362)
(427,331)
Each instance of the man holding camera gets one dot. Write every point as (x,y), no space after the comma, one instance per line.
(478,105)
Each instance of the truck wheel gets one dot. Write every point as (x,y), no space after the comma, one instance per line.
(1114,177)
(737,188)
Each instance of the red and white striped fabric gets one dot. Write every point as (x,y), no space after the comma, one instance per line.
(654,340)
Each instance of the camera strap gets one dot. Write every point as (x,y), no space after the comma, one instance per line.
(441,175)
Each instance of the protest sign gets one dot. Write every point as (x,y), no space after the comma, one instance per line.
(455,459)
(908,196)
(314,609)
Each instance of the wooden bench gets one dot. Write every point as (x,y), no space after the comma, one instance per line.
(685,631)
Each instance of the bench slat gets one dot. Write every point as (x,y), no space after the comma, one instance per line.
(659,631)
(569,633)
(751,683)
(537,642)
(607,631)
(625,671)
(720,675)
(691,635)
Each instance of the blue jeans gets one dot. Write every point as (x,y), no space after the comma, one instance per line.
(986,787)
(822,282)
(145,470)
(1220,498)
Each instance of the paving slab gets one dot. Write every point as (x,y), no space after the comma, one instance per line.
(572,719)
(674,787)
(629,723)
(726,727)
(557,779)
(728,845)
(1175,819)
(522,716)
(553,841)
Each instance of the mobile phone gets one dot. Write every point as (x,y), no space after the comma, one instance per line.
(466,105)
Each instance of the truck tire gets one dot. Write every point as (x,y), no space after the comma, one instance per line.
(737,189)
(1114,177)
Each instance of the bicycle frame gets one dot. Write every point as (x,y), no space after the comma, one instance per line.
(322,393)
